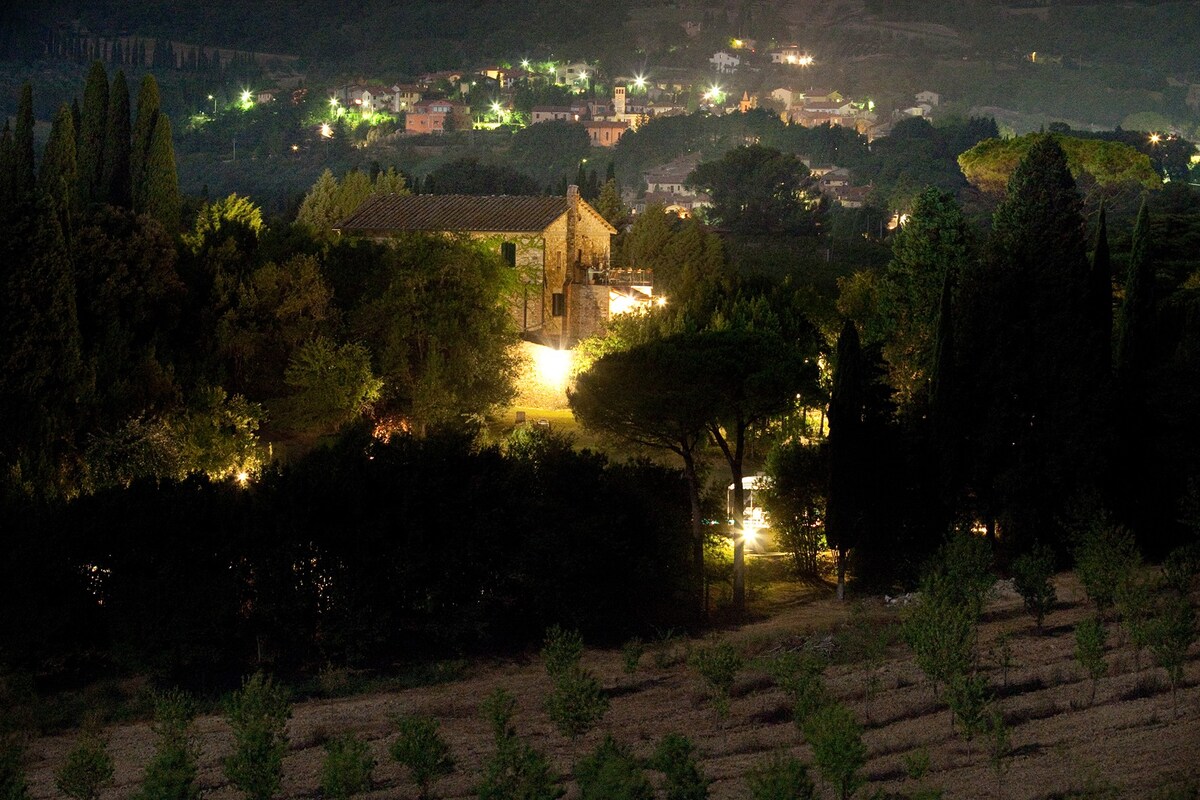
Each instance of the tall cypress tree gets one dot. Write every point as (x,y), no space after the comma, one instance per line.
(93,124)
(7,166)
(1031,353)
(844,512)
(117,185)
(1135,340)
(161,189)
(1100,298)
(143,132)
(24,179)
(76,114)
(40,355)
(943,391)
(58,176)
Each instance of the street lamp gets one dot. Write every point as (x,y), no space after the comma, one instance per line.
(213,100)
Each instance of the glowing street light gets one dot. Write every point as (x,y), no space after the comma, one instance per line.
(247,100)
(639,81)
(1155,138)
(213,100)
(805,60)
(525,64)
(326,130)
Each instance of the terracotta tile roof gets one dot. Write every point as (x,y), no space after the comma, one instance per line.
(454,212)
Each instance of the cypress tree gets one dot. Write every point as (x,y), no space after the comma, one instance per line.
(7,165)
(161,188)
(76,114)
(92,129)
(1100,297)
(143,131)
(40,354)
(1135,343)
(844,512)
(23,158)
(1138,472)
(58,177)
(1031,349)
(116,182)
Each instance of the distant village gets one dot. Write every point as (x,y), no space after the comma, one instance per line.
(607,105)
(456,100)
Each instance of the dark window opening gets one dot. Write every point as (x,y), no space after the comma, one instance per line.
(508,252)
(558,306)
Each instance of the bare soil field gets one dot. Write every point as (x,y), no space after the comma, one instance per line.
(1132,741)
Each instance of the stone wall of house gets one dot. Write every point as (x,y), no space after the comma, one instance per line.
(526,301)
(587,310)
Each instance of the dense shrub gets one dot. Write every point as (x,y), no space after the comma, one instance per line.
(838,749)
(421,748)
(258,713)
(1089,650)
(88,769)
(577,702)
(171,773)
(675,757)
(781,778)
(515,771)
(718,665)
(13,785)
(1106,557)
(1033,578)
(612,773)
(348,767)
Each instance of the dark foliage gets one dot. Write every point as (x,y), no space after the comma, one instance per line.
(363,553)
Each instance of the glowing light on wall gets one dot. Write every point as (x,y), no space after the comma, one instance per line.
(552,367)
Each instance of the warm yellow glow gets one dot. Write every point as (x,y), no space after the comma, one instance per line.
(326,130)
(333,101)
(1155,138)
(660,300)
(243,478)
(551,366)
(805,60)
(620,303)
(737,43)
(295,148)
(246,95)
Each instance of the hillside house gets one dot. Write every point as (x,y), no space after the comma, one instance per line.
(929,98)
(437,116)
(791,54)
(571,74)
(372,98)
(724,63)
(604,132)
(405,96)
(552,113)
(670,177)
(559,248)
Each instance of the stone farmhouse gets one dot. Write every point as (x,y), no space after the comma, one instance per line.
(559,248)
